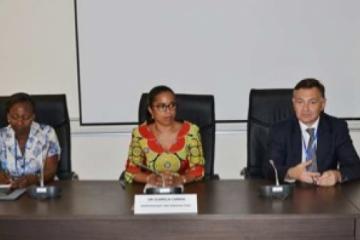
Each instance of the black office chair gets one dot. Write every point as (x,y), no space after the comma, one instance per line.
(51,110)
(198,109)
(266,107)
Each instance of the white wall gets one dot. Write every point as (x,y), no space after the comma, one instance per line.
(37,48)
(38,55)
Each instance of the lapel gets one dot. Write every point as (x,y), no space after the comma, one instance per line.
(323,141)
(296,142)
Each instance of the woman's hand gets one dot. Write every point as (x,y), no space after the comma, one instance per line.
(166,179)
(171,179)
(24,181)
(4,178)
(154,179)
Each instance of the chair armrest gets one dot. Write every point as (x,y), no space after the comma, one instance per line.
(212,177)
(68,176)
(244,172)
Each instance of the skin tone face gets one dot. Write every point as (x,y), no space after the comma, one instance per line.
(308,104)
(20,117)
(163,109)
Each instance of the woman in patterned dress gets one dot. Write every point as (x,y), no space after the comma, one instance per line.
(168,147)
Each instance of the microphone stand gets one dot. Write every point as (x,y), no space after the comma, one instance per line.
(153,171)
(276,173)
(42,191)
(43,160)
(279,191)
(149,189)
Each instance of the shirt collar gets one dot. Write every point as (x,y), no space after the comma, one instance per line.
(33,129)
(315,125)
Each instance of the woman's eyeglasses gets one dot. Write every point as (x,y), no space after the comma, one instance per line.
(162,107)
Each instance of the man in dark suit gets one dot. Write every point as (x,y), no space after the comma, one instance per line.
(313,147)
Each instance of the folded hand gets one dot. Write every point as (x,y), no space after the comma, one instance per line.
(328,178)
(4,178)
(300,173)
(24,181)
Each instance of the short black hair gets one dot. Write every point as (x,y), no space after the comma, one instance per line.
(156,91)
(19,98)
(311,83)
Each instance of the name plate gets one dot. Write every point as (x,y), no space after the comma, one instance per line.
(165,203)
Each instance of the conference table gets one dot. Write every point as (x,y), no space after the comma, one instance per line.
(227,209)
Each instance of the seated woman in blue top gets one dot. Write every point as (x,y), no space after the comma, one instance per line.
(26,146)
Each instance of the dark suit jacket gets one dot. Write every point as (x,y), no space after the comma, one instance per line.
(334,146)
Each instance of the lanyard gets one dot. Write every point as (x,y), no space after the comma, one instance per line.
(17,158)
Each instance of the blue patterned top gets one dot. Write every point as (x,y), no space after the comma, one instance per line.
(41,143)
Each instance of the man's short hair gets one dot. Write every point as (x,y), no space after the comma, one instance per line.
(311,83)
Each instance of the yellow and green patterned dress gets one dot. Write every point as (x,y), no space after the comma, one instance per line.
(184,157)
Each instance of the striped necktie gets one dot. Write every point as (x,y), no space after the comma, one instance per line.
(311,150)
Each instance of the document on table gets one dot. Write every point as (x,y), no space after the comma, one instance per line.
(5,189)
(8,194)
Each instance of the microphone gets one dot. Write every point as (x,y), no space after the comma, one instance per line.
(151,189)
(279,191)
(43,159)
(275,170)
(42,191)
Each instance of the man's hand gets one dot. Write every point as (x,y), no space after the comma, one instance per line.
(300,173)
(328,178)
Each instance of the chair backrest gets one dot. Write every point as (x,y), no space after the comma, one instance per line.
(266,107)
(51,110)
(198,109)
